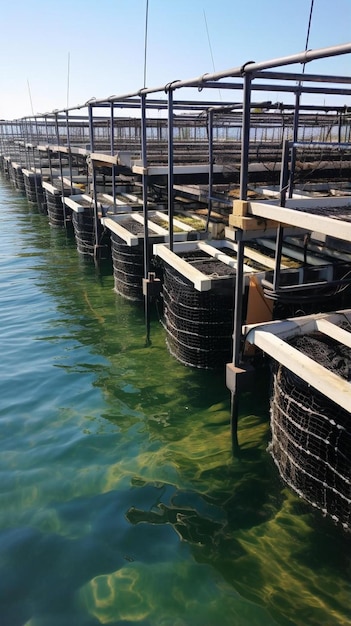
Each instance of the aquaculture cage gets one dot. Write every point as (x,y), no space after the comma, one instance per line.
(58,214)
(41,197)
(88,234)
(128,267)
(311,434)
(55,208)
(19,178)
(199,324)
(127,247)
(198,294)
(31,182)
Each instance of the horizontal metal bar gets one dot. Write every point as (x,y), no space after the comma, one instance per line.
(295,76)
(238,72)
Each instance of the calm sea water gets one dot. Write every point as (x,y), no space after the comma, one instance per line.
(120,501)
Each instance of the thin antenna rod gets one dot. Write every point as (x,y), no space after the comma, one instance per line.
(30,97)
(209,42)
(308,33)
(145,44)
(68,71)
(210,47)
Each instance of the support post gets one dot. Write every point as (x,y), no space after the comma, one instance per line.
(145,213)
(245,139)
(91,135)
(233,370)
(170,167)
(69,153)
(210,164)
(112,146)
(284,177)
(61,174)
(238,302)
(293,148)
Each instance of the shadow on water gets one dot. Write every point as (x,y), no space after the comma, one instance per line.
(150,519)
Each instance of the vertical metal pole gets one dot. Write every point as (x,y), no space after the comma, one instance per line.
(61,174)
(210,164)
(170,167)
(69,152)
(26,140)
(284,176)
(48,149)
(112,144)
(145,211)
(239,283)
(339,126)
(293,149)
(145,184)
(238,306)
(239,277)
(91,135)
(91,127)
(245,139)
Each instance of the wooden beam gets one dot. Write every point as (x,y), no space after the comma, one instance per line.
(326,382)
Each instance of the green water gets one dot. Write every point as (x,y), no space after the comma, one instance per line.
(120,501)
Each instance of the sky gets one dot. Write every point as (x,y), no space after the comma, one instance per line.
(62,53)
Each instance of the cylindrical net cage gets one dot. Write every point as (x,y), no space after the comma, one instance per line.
(19,179)
(86,235)
(41,198)
(199,325)
(128,268)
(311,435)
(55,209)
(30,183)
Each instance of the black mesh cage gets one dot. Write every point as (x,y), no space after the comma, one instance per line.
(41,199)
(30,183)
(19,180)
(85,233)
(311,435)
(199,325)
(128,268)
(55,209)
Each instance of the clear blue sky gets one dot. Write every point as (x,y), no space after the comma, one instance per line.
(104,42)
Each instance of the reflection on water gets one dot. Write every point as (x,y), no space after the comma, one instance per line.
(120,501)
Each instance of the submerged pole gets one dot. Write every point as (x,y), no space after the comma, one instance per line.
(239,278)
(145,216)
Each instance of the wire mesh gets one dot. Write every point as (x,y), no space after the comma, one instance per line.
(55,209)
(199,325)
(128,267)
(311,435)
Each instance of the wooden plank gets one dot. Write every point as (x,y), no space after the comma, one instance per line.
(159,230)
(199,280)
(319,223)
(261,258)
(123,233)
(159,170)
(335,332)
(104,158)
(327,383)
(51,189)
(297,325)
(221,256)
(74,205)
